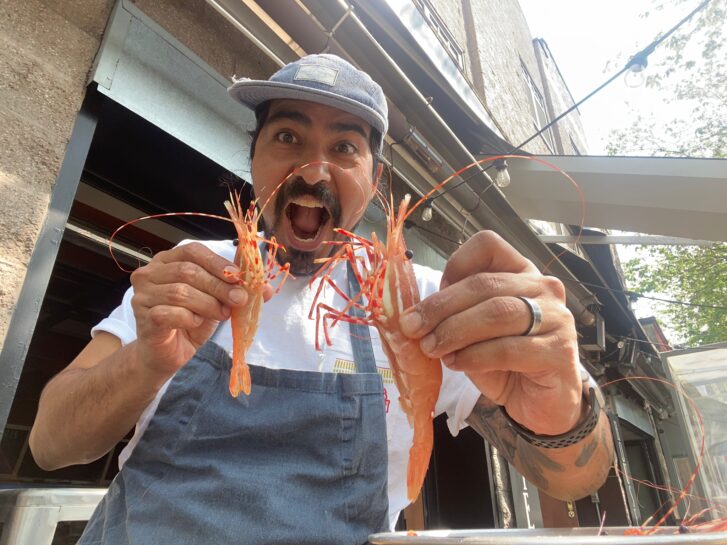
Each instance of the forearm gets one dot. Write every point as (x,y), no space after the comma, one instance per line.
(565,473)
(84,412)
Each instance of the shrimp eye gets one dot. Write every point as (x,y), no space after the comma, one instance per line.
(409,254)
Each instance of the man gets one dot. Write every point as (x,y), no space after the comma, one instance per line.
(312,455)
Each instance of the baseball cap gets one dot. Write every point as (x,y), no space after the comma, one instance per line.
(323,78)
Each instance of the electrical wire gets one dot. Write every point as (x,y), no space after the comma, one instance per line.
(628,293)
(638,57)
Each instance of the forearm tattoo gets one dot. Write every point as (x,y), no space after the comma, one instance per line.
(535,463)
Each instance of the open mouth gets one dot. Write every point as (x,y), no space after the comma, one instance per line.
(307,216)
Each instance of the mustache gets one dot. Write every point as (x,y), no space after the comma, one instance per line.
(297,187)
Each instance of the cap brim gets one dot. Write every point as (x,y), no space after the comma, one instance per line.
(252,93)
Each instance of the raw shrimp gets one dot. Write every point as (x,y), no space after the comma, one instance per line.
(253,276)
(388,287)
(254,273)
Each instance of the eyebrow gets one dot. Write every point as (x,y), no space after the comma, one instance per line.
(292,115)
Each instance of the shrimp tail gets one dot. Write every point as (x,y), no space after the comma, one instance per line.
(419,456)
(240,379)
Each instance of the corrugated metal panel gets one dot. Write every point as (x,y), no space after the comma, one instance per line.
(146,70)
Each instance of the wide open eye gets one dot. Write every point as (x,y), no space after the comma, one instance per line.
(286,137)
(346,148)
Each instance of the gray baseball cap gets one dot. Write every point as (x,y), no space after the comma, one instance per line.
(326,79)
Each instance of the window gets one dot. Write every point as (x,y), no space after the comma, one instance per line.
(437,24)
(538,109)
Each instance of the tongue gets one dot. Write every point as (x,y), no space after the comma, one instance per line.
(305,220)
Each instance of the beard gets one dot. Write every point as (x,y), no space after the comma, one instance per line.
(302,263)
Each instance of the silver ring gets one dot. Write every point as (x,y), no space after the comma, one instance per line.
(536,316)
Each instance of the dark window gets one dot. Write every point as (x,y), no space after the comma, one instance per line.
(440,29)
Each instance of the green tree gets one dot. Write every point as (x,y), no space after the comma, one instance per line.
(695,275)
(693,80)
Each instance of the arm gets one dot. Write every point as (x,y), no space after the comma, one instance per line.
(89,406)
(479,324)
(179,298)
(566,473)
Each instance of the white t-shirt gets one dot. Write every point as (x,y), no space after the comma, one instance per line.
(285,339)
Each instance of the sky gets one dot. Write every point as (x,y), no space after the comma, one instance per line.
(591,40)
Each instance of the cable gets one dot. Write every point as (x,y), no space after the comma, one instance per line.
(639,57)
(628,293)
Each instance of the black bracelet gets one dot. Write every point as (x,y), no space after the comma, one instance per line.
(572,437)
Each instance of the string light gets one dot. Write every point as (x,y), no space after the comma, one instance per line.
(502,176)
(635,74)
(427,211)
(639,59)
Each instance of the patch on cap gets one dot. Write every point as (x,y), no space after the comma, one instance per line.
(317,73)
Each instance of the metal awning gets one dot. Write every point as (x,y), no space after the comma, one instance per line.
(678,197)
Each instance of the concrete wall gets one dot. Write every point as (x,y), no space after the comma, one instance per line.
(46,49)
(199,27)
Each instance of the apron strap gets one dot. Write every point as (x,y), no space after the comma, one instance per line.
(363,350)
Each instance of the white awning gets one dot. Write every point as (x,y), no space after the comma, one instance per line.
(659,196)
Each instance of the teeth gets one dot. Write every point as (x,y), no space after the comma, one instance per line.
(307,202)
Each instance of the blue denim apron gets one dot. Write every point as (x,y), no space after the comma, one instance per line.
(302,460)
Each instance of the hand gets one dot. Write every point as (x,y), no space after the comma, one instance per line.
(476,324)
(179,299)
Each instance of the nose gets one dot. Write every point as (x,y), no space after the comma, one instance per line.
(314,171)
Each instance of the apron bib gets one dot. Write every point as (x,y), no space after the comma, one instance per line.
(302,460)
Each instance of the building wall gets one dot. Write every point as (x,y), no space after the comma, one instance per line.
(199,27)
(47,49)
(503,39)
(569,130)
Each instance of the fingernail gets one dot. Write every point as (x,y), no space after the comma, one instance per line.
(428,343)
(448,360)
(237,296)
(410,322)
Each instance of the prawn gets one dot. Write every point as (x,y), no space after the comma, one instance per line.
(254,273)
(253,276)
(388,288)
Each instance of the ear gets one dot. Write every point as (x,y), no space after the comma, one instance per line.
(379,172)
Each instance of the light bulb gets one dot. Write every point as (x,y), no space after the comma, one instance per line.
(502,176)
(428,211)
(635,76)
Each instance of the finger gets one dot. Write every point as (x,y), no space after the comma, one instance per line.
(485,251)
(201,255)
(431,311)
(542,355)
(165,318)
(192,274)
(491,319)
(185,296)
